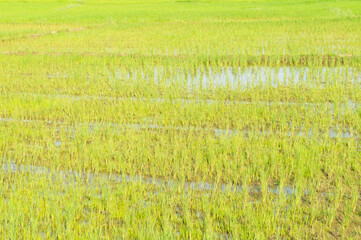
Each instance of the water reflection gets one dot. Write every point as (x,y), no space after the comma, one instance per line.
(235,77)
(72,177)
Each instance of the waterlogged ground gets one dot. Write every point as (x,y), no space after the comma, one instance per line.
(220,120)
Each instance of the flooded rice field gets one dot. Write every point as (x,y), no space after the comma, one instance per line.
(180,120)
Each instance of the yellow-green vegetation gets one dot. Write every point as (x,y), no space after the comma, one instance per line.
(180,119)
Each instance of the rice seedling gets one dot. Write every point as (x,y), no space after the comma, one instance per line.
(198,119)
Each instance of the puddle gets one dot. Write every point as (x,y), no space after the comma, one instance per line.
(270,77)
(89,178)
(236,78)
(333,132)
(348,104)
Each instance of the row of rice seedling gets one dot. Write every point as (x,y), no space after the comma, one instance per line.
(133,77)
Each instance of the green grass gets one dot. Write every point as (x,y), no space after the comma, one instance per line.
(141,89)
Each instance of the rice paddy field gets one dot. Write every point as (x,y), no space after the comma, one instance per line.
(176,119)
